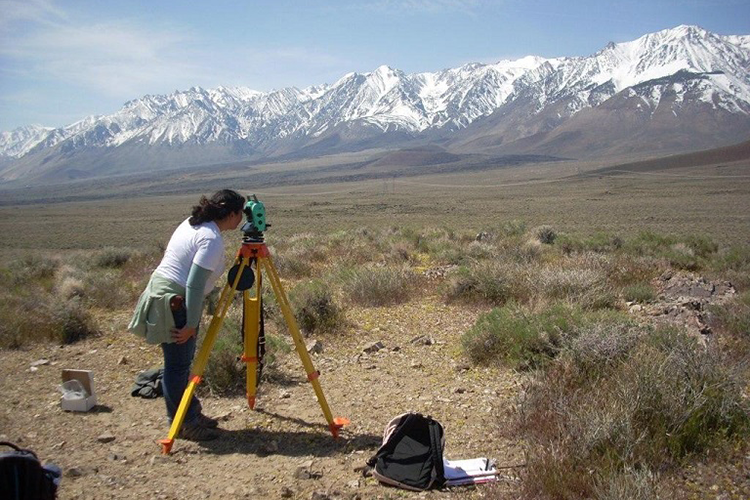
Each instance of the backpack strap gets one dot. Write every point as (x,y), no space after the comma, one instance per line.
(15,447)
(436,439)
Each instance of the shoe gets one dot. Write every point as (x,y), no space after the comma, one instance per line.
(194,431)
(209,422)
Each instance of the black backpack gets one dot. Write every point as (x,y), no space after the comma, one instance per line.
(411,456)
(22,477)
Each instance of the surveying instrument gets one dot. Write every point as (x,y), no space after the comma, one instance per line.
(241,278)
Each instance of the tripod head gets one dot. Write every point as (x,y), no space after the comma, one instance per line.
(255,212)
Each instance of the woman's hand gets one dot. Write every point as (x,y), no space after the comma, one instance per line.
(182,335)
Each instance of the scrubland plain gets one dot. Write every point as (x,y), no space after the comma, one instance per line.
(585,324)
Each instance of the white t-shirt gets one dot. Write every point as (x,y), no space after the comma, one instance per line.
(202,245)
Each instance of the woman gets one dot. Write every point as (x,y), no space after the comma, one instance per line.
(169,310)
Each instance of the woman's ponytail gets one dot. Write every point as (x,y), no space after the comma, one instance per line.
(221,204)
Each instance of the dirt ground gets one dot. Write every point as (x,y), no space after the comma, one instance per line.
(282,449)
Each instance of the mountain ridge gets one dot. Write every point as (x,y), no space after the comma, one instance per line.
(559,106)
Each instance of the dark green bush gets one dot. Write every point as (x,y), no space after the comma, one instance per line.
(226,373)
(544,234)
(487,283)
(639,292)
(315,307)
(112,257)
(519,337)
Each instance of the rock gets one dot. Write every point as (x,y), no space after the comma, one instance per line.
(269,447)
(223,417)
(463,367)
(286,492)
(40,362)
(416,364)
(374,347)
(159,459)
(484,235)
(353,484)
(106,438)
(122,361)
(459,390)
(304,471)
(58,446)
(314,347)
(73,472)
(320,495)
(423,340)
(285,395)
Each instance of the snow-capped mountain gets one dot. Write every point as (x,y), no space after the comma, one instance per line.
(626,92)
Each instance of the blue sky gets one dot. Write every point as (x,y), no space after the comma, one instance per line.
(63,60)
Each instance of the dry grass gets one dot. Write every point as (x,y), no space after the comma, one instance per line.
(618,405)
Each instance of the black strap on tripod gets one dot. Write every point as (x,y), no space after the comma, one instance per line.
(261,349)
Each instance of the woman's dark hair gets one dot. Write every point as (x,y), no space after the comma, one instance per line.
(221,204)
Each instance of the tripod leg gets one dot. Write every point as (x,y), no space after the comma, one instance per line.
(312,373)
(251,310)
(199,365)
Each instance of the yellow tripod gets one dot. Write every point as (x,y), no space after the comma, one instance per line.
(250,251)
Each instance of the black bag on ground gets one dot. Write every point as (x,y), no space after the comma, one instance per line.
(22,476)
(411,456)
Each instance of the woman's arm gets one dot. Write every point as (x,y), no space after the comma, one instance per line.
(194,289)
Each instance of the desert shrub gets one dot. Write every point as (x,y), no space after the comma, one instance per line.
(315,307)
(527,252)
(69,286)
(105,289)
(629,270)
(377,286)
(648,243)
(733,318)
(519,337)
(293,265)
(226,373)
(733,264)
(31,316)
(447,251)
(356,247)
(598,242)
(689,253)
(617,401)
(513,228)
(480,250)
(701,245)
(544,234)
(399,252)
(638,292)
(31,267)
(112,257)
(95,287)
(633,483)
(584,286)
(488,282)
(69,321)
(681,256)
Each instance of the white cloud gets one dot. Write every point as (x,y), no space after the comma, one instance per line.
(35,11)
(426,5)
(124,59)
